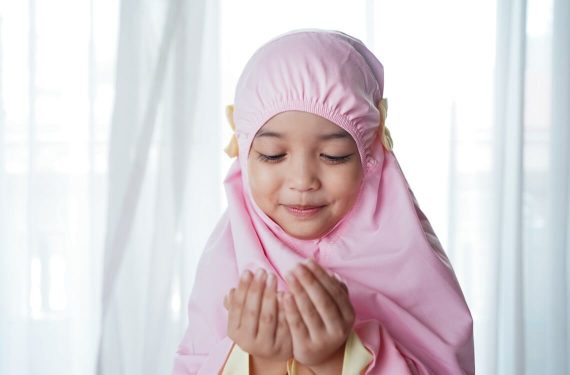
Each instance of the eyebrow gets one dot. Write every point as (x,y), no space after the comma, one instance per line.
(325,137)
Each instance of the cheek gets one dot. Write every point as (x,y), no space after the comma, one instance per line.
(345,185)
(263,181)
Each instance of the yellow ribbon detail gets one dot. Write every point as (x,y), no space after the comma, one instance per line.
(232,148)
(385,136)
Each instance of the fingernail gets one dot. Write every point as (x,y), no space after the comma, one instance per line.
(246,275)
(337,276)
(259,273)
(270,280)
(301,269)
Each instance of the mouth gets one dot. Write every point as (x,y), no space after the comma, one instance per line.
(301,211)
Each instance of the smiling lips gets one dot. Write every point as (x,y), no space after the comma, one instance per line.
(303,211)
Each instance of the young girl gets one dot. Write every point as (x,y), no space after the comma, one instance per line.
(323,262)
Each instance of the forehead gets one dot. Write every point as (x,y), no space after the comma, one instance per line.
(289,124)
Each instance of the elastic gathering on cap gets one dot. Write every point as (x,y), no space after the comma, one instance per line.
(318,109)
(356,131)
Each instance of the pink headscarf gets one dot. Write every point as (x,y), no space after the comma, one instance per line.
(410,311)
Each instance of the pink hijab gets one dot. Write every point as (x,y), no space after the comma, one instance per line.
(410,310)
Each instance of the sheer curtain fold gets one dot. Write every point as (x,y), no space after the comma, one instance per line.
(559,193)
(508,314)
(161,67)
(530,280)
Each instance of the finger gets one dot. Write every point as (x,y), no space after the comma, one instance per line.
(237,301)
(252,305)
(282,331)
(297,328)
(344,287)
(309,313)
(320,297)
(280,298)
(268,315)
(336,289)
(228,298)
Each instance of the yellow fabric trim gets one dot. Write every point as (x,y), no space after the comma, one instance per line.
(237,362)
(356,357)
(291,367)
(232,147)
(385,136)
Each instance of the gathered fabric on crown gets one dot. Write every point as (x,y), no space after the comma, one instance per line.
(401,283)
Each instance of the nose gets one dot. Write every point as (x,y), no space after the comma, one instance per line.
(303,175)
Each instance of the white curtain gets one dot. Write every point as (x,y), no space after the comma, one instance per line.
(163,168)
(111,131)
(56,63)
(525,326)
(109,178)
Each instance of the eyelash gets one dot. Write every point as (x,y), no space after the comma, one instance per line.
(329,159)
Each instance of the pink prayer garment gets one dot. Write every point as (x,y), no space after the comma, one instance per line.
(410,310)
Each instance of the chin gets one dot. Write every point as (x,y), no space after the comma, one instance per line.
(306,234)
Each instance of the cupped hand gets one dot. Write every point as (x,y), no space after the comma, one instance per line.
(256,322)
(319,314)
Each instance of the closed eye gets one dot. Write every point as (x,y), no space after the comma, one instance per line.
(270,158)
(337,159)
(328,158)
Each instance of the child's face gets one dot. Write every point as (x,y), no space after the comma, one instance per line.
(304,172)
